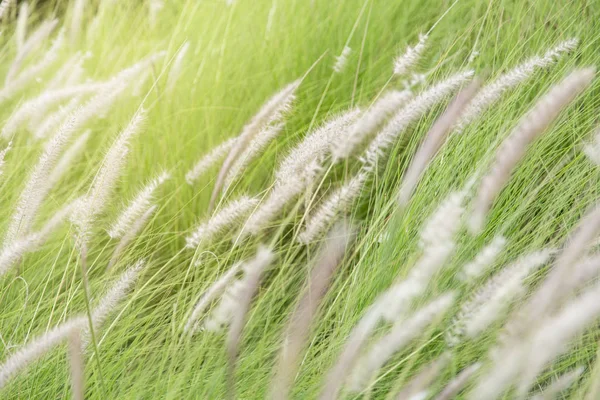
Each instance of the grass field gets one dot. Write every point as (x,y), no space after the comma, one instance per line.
(238,56)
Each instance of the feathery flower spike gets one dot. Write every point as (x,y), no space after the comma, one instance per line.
(411,56)
(409,113)
(483,260)
(138,206)
(458,383)
(222,220)
(368,122)
(210,159)
(513,148)
(255,147)
(109,302)
(400,335)
(342,60)
(302,317)
(130,234)
(338,202)
(37,347)
(176,68)
(271,112)
(66,160)
(3,156)
(37,186)
(433,142)
(492,92)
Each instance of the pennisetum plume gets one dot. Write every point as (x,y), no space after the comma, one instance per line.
(437,243)
(138,206)
(3,156)
(298,170)
(37,347)
(401,334)
(420,385)
(314,147)
(592,149)
(483,260)
(177,67)
(4,7)
(130,234)
(270,113)
(21,29)
(338,202)
(558,385)
(24,78)
(492,92)
(298,328)
(66,160)
(107,93)
(98,196)
(255,147)
(410,57)
(210,159)
(366,125)
(408,114)
(52,121)
(34,41)
(458,383)
(433,141)
(12,252)
(76,365)
(342,60)
(563,278)
(109,302)
(221,221)
(76,20)
(215,290)
(491,301)
(38,186)
(237,306)
(513,148)
(552,337)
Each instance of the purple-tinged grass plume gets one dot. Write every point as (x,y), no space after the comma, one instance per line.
(513,148)
(433,142)
(413,110)
(401,334)
(298,329)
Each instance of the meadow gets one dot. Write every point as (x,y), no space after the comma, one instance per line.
(299,199)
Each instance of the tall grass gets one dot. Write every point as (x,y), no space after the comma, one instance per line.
(472,268)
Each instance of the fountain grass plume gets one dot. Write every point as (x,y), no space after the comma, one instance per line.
(513,148)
